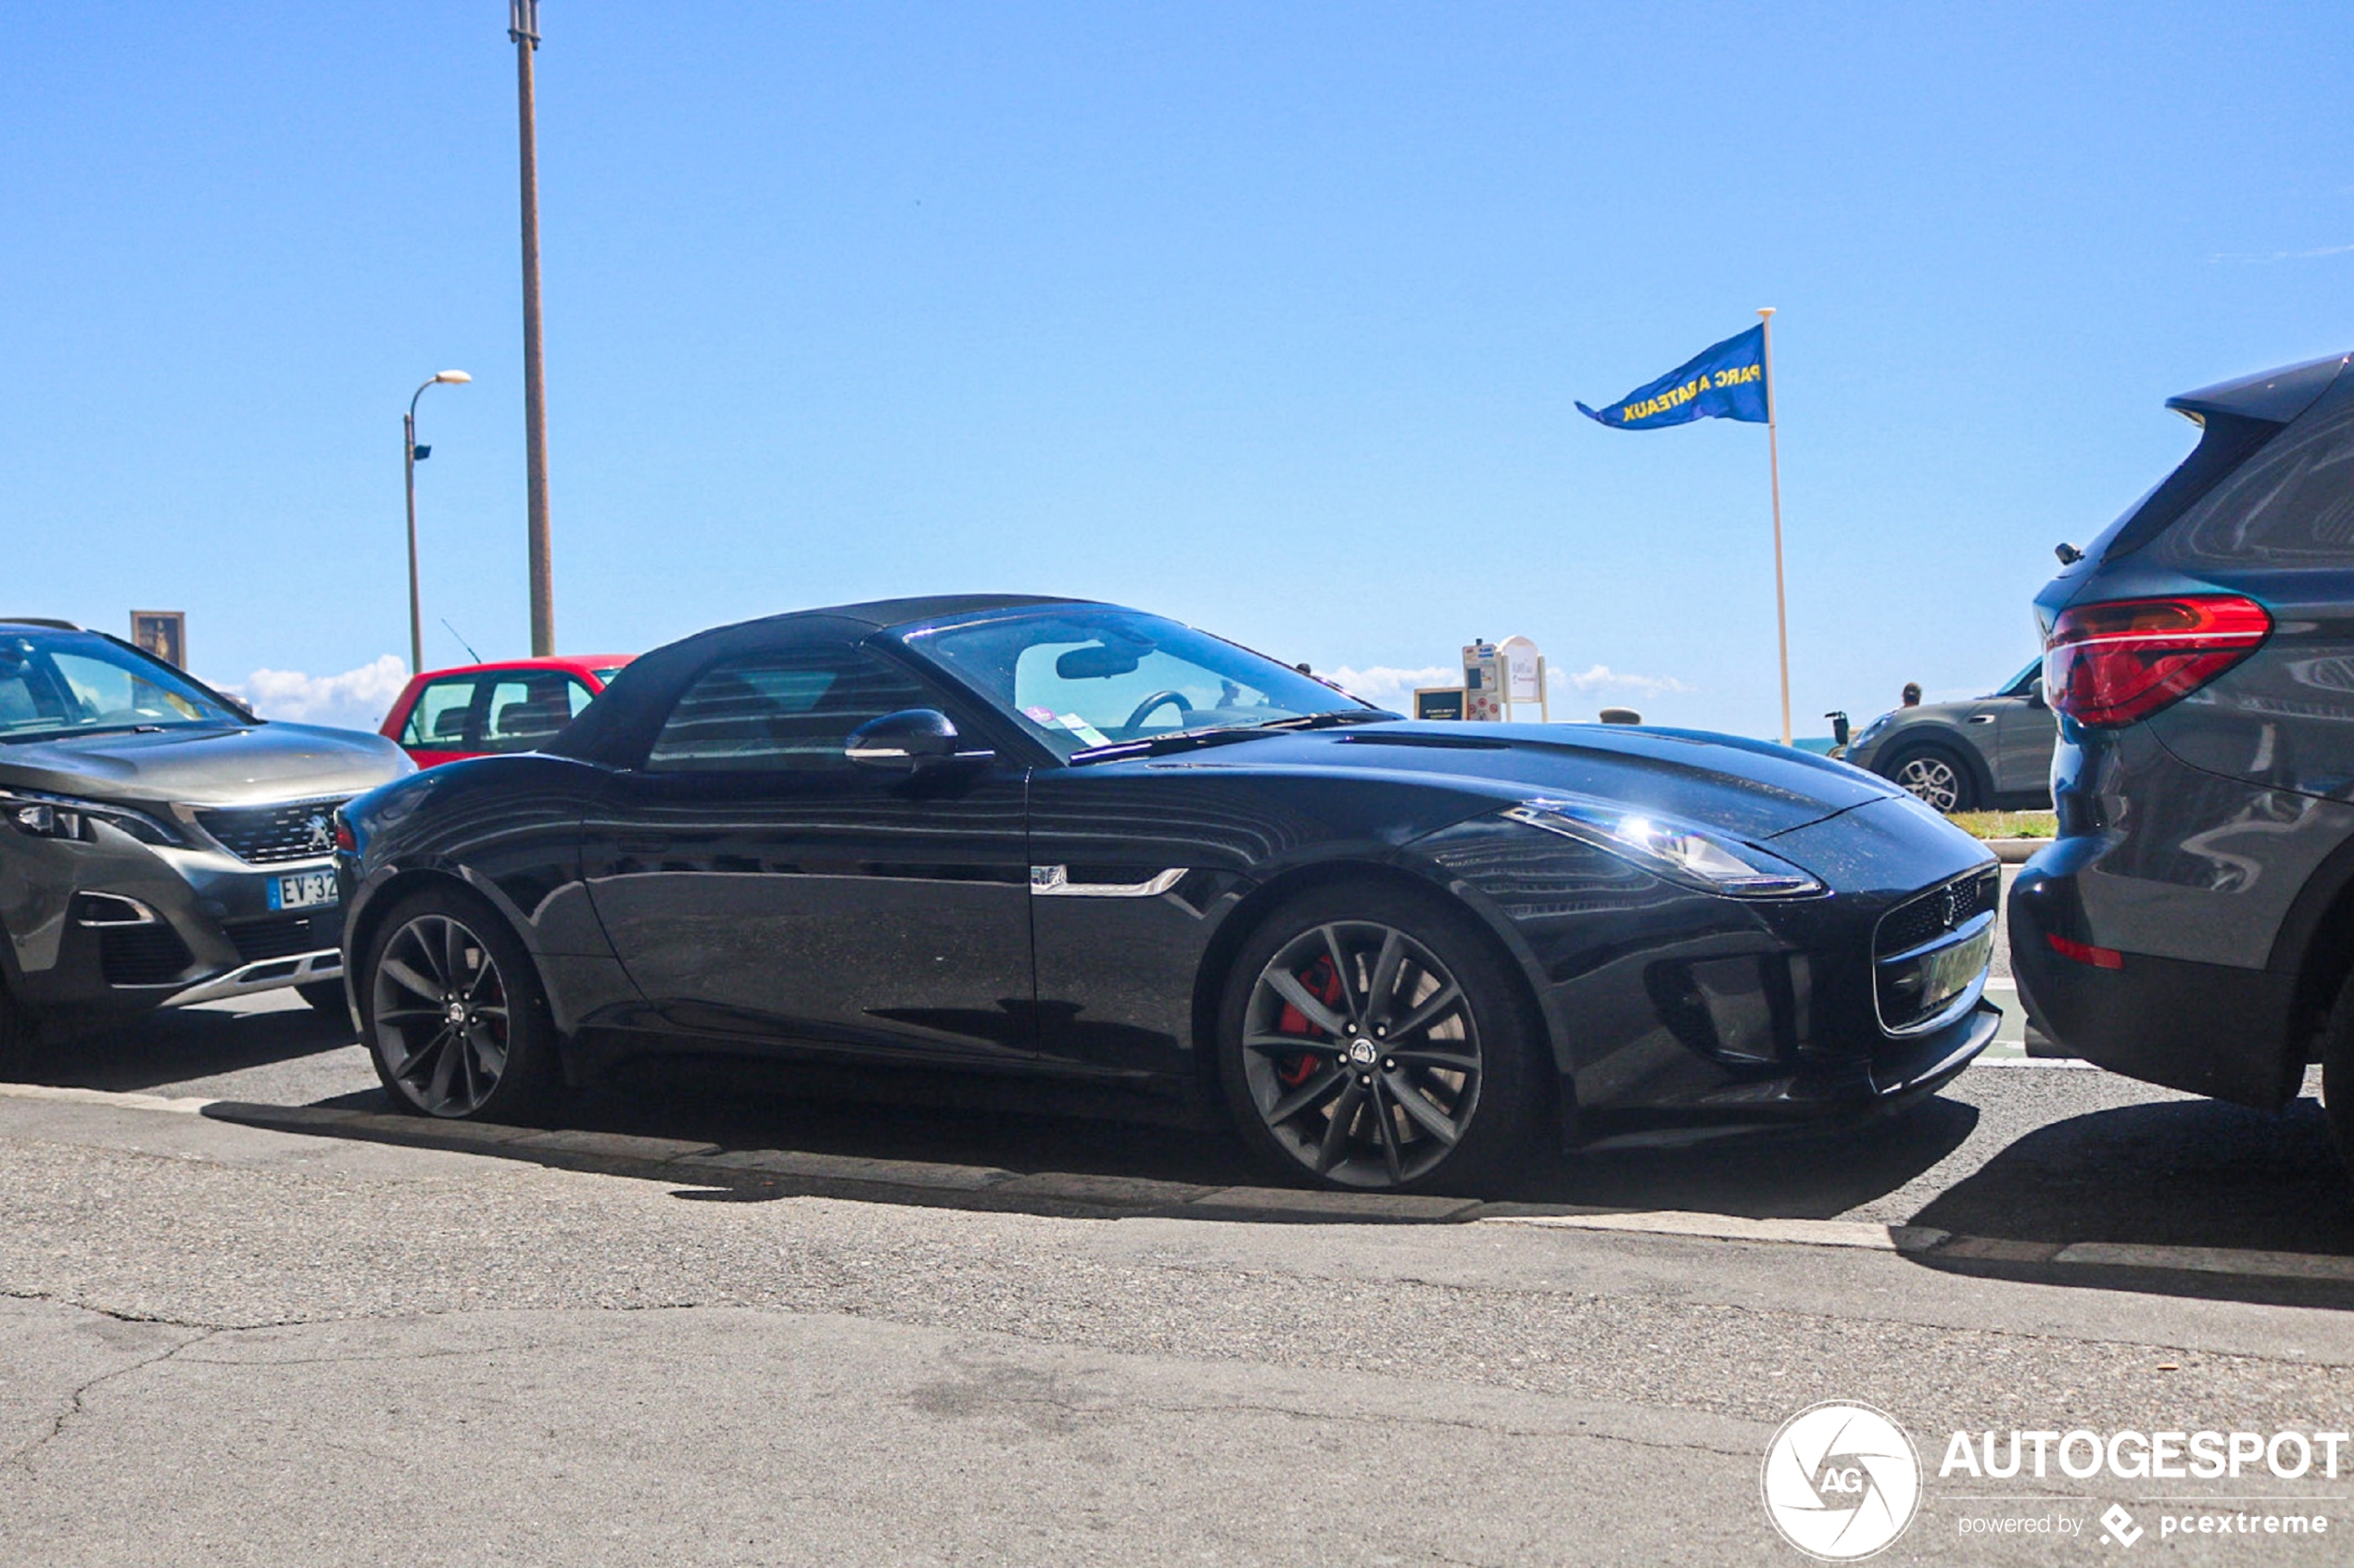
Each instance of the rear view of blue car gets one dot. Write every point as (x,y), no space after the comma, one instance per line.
(2193,925)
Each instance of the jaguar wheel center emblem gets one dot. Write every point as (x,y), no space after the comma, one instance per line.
(1362,1053)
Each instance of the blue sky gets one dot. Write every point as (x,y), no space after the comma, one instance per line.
(1268,317)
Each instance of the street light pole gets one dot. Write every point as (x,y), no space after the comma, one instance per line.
(522,26)
(410,453)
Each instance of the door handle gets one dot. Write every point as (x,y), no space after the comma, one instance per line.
(1981,718)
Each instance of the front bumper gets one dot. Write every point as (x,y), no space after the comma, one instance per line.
(117,927)
(1673,1012)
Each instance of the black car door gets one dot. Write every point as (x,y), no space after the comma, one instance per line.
(759,885)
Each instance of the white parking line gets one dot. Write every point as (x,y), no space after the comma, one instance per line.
(1735,1227)
(121,1098)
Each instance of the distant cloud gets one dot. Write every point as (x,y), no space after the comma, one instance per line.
(1388,687)
(1601,677)
(354,699)
(2282,255)
(1393,687)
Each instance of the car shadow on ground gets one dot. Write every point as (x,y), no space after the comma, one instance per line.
(1810,1175)
(175,1051)
(2169,1173)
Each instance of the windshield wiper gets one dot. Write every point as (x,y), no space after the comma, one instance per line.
(1334,720)
(1176,739)
(1219,734)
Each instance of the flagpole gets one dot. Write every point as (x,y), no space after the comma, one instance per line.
(1774,467)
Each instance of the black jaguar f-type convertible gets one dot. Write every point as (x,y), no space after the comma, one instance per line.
(1014,836)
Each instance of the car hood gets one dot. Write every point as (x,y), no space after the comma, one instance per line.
(1752,789)
(206,766)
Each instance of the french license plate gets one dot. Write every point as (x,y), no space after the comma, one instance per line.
(304,889)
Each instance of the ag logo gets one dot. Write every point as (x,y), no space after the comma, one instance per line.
(1841,1481)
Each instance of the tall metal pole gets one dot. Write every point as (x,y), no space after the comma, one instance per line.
(1774,466)
(522,26)
(409,474)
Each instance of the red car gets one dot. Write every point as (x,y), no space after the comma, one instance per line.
(476,710)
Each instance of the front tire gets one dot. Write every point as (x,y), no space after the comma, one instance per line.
(1371,1040)
(1935,777)
(452,1012)
(2337,1074)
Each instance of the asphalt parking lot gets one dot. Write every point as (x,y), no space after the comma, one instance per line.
(226,1341)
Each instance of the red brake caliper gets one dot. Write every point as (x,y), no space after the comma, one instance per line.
(1323,983)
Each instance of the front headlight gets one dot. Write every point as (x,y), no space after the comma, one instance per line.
(40,815)
(1676,851)
(1864,735)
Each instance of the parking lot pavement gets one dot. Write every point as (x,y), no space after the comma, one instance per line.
(229,1344)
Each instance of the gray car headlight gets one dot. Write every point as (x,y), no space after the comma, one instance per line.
(39,816)
(1678,851)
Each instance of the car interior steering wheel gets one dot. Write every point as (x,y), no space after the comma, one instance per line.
(1184,709)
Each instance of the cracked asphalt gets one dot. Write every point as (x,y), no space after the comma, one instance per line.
(225,1345)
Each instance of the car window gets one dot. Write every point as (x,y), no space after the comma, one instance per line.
(526,710)
(2292,504)
(79,683)
(1086,677)
(2025,678)
(439,721)
(779,711)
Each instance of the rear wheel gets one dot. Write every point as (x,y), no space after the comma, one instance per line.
(1371,1040)
(1935,777)
(2337,1074)
(453,1014)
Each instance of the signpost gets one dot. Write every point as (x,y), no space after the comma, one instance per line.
(1438,702)
(1524,676)
(163,633)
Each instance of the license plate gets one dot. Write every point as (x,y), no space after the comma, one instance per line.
(304,889)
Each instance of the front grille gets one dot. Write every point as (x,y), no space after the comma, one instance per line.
(1932,913)
(1929,952)
(267,835)
(151,954)
(283,936)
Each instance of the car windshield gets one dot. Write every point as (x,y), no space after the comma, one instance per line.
(1084,678)
(75,683)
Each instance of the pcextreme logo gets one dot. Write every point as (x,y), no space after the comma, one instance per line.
(1841,1481)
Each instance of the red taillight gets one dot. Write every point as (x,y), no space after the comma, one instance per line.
(2112,664)
(2085,953)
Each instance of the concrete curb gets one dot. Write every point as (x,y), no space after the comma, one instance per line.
(797,1173)
(2014,852)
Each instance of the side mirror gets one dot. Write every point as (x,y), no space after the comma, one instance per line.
(1839,727)
(908,740)
(2035,692)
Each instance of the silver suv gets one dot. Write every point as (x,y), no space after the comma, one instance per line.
(1993,750)
(158,843)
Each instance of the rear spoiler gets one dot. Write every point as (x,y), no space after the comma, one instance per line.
(2275,397)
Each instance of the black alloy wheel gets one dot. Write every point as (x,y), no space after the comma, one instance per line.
(455,1018)
(1373,1043)
(1936,777)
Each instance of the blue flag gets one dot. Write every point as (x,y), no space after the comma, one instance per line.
(1724,381)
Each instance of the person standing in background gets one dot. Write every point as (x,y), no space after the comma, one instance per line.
(1912,694)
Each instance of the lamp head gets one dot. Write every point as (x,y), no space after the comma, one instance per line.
(457,378)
